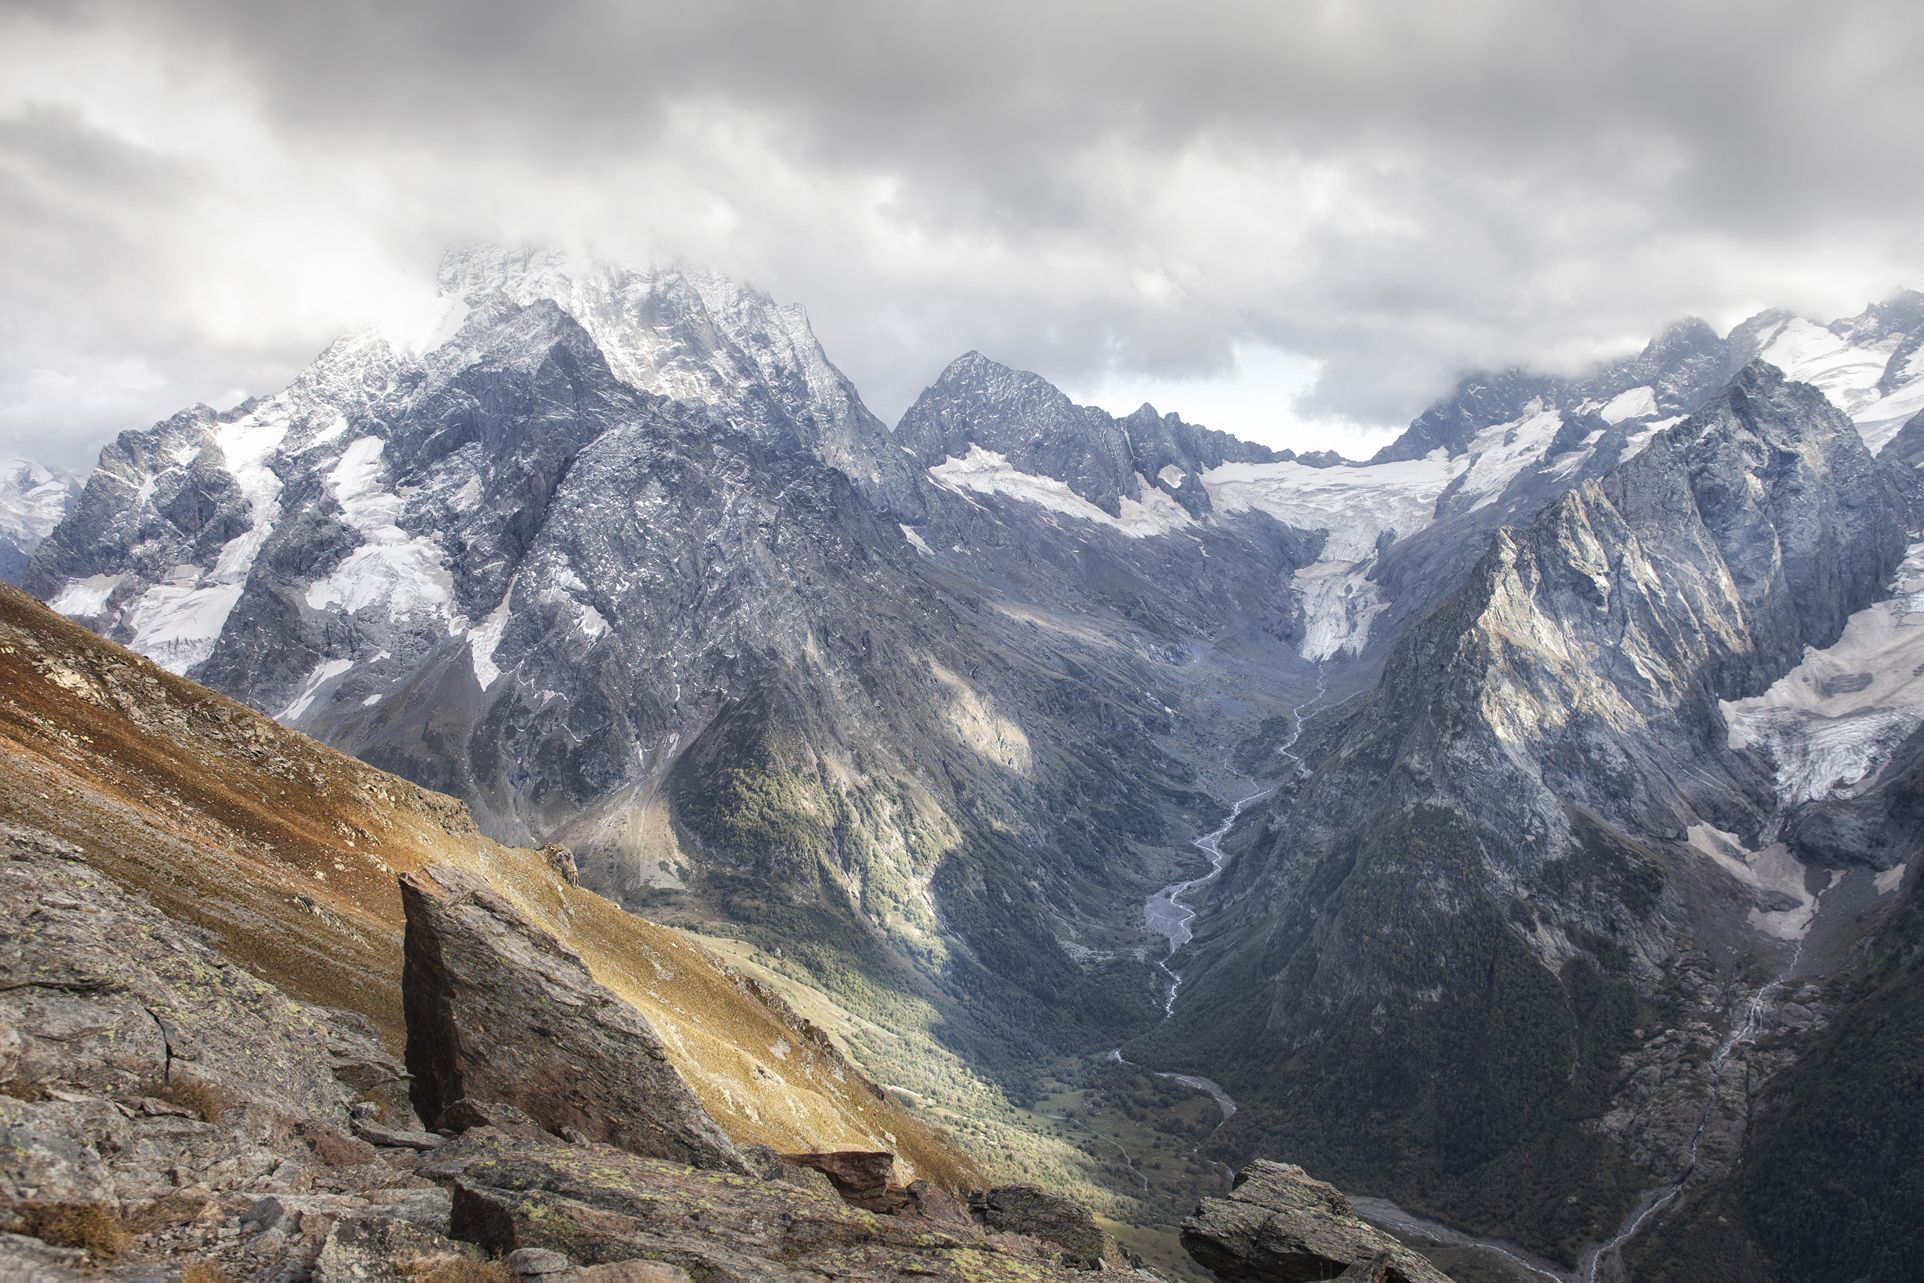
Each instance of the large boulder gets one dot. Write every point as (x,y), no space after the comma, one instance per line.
(498,1010)
(1053,1219)
(1281,1225)
(864,1178)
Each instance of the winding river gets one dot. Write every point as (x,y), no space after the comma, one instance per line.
(1166,912)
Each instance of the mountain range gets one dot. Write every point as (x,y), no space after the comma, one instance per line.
(1577,731)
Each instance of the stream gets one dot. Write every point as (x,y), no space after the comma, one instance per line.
(1656,1200)
(1166,913)
(1169,915)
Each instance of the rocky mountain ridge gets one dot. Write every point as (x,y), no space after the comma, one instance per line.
(978,405)
(1547,755)
(665,633)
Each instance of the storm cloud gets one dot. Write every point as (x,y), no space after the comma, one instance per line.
(1313,216)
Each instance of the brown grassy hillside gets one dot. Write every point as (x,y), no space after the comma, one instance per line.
(287,852)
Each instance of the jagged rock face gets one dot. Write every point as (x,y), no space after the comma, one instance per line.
(700,338)
(1279,1225)
(33,499)
(979,405)
(1585,426)
(862,1178)
(1611,626)
(498,1010)
(1518,801)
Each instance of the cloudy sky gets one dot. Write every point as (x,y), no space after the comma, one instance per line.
(1295,220)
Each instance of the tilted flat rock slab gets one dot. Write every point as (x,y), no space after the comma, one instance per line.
(499,1010)
(1281,1225)
(597,1205)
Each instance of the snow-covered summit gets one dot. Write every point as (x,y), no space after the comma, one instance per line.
(365,461)
(699,337)
(33,499)
(685,334)
(1870,366)
(980,407)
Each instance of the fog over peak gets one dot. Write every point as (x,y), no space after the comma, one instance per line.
(1298,222)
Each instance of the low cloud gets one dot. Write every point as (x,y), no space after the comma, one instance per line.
(198,194)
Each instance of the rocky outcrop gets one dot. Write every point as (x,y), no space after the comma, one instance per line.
(160,1107)
(499,1010)
(158,1102)
(1280,1225)
(863,1178)
(115,1022)
(594,1206)
(1033,1211)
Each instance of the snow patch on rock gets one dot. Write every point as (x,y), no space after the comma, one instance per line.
(405,573)
(1354,507)
(85,598)
(1339,603)
(1774,872)
(33,499)
(323,673)
(986,472)
(177,622)
(1637,403)
(1849,375)
(482,642)
(1830,723)
(1809,353)
(1499,453)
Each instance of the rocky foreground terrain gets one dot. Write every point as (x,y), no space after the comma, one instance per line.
(168,1111)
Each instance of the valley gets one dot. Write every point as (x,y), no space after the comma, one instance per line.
(1520,756)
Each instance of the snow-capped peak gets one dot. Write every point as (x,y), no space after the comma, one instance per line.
(690,335)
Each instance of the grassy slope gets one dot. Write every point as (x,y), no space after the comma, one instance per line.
(287,853)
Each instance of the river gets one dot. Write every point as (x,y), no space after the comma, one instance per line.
(1165,912)
(1656,1200)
